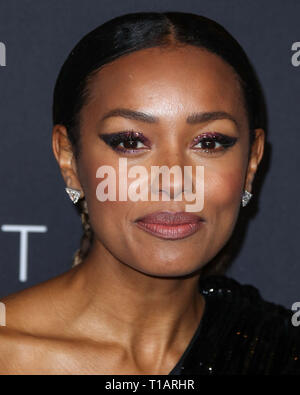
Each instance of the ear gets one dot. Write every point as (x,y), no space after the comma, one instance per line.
(63,152)
(257,150)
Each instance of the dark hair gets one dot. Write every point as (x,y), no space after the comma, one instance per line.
(132,32)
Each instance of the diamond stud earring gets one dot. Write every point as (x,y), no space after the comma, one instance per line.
(246,198)
(74,194)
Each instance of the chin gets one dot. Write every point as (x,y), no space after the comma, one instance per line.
(168,269)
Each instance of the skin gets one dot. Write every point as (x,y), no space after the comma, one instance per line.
(133,305)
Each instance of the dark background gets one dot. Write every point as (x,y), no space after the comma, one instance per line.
(39,34)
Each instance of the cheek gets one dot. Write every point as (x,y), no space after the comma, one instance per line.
(224,183)
(109,219)
(223,189)
(223,201)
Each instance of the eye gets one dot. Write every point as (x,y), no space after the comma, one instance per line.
(128,141)
(212,143)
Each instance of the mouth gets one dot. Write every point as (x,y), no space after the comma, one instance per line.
(170,225)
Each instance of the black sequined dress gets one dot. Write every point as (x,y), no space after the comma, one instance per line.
(240,333)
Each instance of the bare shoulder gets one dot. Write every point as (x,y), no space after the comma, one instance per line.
(44,333)
(17,352)
(32,322)
(33,307)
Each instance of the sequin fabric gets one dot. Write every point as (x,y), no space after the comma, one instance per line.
(241,333)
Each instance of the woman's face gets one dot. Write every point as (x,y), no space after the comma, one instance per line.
(170,85)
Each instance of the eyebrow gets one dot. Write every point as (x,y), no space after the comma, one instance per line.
(193,118)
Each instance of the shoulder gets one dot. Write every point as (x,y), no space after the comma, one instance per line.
(33,326)
(17,339)
(262,331)
(29,307)
(244,299)
(243,295)
(17,352)
(42,308)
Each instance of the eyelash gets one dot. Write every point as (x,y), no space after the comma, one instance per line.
(214,137)
(115,139)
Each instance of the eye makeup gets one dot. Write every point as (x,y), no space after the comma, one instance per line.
(213,142)
(130,141)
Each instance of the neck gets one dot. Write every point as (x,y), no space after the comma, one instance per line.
(133,309)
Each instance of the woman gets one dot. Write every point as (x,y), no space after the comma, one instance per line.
(157,89)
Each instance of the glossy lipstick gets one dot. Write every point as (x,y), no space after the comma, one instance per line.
(170,225)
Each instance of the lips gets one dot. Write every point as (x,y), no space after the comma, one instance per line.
(170,225)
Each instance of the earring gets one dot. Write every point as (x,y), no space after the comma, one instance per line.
(246,198)
(74,194)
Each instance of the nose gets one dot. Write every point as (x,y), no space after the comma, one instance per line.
(169,180)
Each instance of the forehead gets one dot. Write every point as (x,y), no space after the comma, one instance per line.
(167,82)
